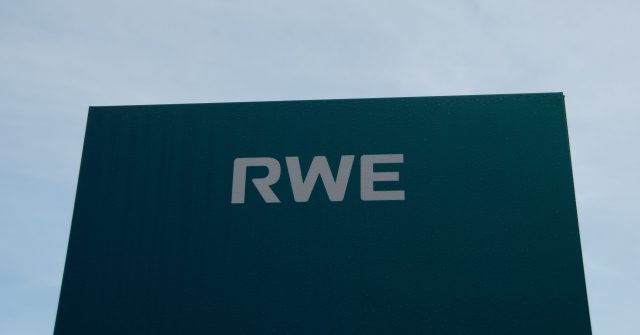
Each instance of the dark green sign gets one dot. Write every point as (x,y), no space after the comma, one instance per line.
(443,215)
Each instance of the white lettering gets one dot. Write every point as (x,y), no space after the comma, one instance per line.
(263,185)
(335,188)
(368,177)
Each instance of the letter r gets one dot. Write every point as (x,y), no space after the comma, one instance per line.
(263,185)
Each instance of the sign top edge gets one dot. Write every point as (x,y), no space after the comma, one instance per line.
(436,97)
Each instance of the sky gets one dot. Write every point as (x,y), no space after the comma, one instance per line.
(59,57)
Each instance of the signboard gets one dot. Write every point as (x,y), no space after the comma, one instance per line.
(429,215)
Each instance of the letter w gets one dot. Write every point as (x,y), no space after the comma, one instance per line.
(335,188)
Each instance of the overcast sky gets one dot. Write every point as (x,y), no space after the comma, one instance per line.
(59,57)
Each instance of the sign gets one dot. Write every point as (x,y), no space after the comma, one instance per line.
(428,215)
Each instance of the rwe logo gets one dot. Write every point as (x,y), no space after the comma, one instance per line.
(303,186)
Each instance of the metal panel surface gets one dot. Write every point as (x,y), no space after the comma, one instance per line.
(484,241)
